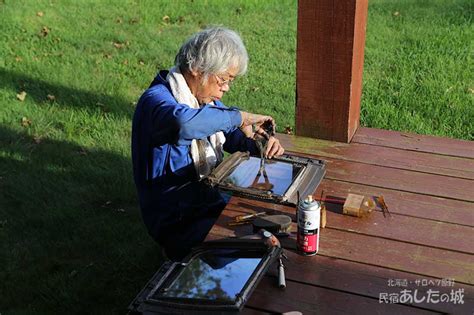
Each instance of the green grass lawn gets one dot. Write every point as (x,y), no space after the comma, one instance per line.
(418,73)
(71,237)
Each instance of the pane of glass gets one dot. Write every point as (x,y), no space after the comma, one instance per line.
(277,177)
(213,275)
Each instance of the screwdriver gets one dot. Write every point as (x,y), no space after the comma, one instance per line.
(262,141)
(247,217)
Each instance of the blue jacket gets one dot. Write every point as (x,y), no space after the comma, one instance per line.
(164,174)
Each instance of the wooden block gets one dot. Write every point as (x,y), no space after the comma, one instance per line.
(353,204)
(358,205)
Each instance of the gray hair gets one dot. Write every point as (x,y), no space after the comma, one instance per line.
(213,51)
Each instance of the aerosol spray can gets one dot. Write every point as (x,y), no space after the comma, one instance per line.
(309,217)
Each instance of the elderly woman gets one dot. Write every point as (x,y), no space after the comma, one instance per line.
(180,129)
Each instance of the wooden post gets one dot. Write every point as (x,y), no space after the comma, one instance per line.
(329,64)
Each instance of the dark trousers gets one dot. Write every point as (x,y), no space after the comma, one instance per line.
(178,239)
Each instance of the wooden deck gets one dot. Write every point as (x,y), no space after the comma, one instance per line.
(428,185)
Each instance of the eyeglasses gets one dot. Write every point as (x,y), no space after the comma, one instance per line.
(221,81)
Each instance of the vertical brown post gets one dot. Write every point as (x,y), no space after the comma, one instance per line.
(329,64)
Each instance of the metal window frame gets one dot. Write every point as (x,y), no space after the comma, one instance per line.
(147,302)
(306,182)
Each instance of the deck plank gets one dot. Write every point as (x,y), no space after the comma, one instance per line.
(410,141)
(403,180)
(370,281)
(426,176)
(406,203)
(381,156)
(396,255)
(310,299)
(252,311)
(406,229)
(422,232)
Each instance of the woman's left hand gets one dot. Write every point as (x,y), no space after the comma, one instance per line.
(274,148)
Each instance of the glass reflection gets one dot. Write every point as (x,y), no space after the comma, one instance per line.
(276,178)
(213,275)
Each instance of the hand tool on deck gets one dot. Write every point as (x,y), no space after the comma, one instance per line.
(281,271)
(381,201)
(271,240)
(245,219)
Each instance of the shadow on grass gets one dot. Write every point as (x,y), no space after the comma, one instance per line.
(64,96)
(72,240)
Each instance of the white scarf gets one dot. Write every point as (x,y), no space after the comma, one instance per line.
(206,154)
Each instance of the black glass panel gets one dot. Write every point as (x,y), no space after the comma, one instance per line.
(213,275)
(276,178)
